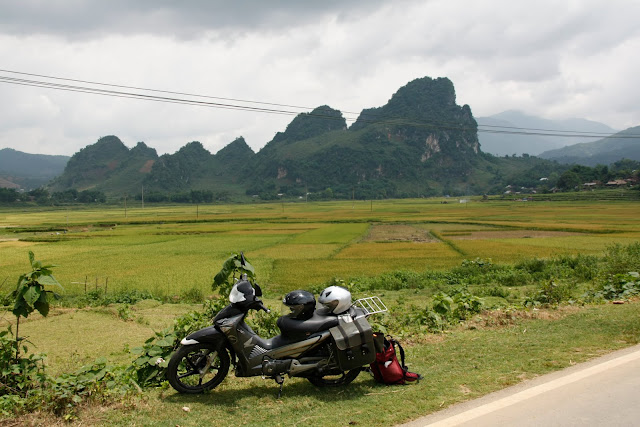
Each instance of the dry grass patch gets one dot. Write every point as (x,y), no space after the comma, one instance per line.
(398,232)
(507,317)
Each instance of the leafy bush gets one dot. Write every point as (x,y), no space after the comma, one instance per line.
(445,309)
(465,305)
(97,297)
(264,324)
(620,286)
(494,291)
(550,293)
(433,321)
(30,293)
(153,357)
(621,259)
(192,295)
(124,312)
(20,375)
(96,382)
(533,265)
(511,278)
(442,304)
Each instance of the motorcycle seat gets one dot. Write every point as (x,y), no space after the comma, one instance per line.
(298,329)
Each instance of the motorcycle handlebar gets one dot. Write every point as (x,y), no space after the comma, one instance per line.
(261,306)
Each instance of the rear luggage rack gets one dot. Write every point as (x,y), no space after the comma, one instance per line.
(371,305)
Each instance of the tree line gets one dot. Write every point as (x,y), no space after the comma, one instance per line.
(42,196)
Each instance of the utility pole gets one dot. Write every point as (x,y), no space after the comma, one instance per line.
(143,196)
(125,205)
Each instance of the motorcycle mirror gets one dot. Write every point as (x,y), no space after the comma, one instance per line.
(258,290)
(242,260)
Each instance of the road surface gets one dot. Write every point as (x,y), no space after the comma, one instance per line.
(602,392)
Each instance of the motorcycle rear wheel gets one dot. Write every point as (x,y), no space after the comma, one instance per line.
(341,379)
(197,368)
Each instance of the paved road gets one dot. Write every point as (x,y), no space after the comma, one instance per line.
(602,392)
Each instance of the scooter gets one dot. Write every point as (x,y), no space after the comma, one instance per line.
(328,349)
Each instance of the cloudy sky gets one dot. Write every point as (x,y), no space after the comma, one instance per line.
(554,59)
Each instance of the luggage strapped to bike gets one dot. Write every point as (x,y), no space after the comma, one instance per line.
(354,342)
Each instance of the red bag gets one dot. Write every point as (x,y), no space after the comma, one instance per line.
(386,369)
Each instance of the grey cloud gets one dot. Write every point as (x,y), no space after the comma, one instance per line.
(93,18)
(557,58)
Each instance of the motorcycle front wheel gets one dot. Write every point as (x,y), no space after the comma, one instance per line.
(343,378)
(197,368)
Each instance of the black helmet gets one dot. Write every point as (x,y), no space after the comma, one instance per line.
(300,303)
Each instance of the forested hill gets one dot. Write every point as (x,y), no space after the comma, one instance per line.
(28,171)
(420,143)
(107,166)
(625,144)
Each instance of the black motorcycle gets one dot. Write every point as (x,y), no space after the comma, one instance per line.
(326,348)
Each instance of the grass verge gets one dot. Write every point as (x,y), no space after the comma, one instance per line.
(493,351)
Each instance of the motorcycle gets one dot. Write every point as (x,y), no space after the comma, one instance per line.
(329,345)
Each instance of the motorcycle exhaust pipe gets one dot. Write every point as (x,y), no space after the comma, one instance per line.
(292,367)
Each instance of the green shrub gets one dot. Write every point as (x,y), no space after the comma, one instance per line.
(531,266)
(433,321)
(150,366)
(465,305)
(550,293)
(619,259)
(20,374)
(494,291)
(512,278)
(621,286)
(192,295)
(97,382)
(25,386)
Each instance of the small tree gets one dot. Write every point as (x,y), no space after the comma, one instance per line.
(30,293)
(235,264)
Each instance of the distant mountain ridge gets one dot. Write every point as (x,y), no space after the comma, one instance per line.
(625,144)
(28,171)
(420,143)
(512,120)
(385,153)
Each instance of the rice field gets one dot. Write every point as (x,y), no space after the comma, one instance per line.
(169,250)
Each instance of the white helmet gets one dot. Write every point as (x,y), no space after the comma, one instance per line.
(335,299)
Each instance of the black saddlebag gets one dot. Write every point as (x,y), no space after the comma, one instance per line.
(353,339)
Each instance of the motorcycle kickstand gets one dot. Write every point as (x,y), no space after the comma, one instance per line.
(279,380)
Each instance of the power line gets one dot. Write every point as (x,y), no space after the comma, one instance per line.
(510,130)
(545,130)
(162,91)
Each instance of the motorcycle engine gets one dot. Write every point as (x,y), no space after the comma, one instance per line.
(271,367)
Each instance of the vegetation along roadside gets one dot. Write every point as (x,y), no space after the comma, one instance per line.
(468,335)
